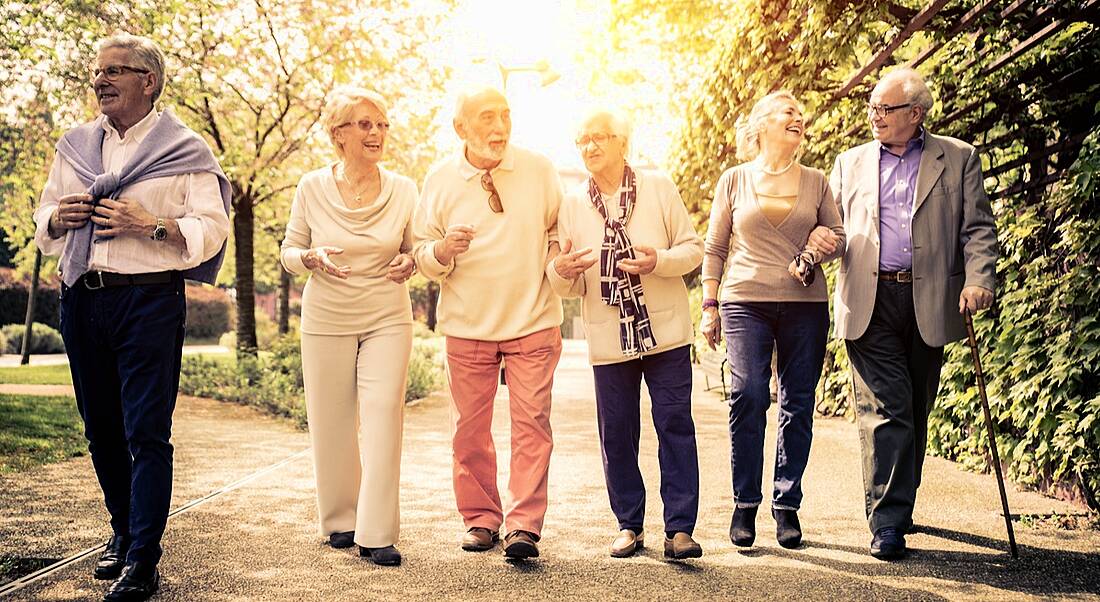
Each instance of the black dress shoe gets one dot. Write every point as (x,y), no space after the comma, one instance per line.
(787,530)
(387,556)
(743,526)
(342,539)
(888,544)
(139,581)
(109,565)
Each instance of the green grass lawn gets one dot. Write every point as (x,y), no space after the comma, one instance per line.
(36,375)
(37,430)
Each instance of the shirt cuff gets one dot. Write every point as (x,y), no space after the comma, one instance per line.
(46,243)
(191,230)
(431,266)
(559,285)
(293,260)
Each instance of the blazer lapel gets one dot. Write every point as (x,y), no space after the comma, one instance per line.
(867,176)
(931,166)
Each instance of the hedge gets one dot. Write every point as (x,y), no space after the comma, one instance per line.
(209,311)
(43,339)
(14,290)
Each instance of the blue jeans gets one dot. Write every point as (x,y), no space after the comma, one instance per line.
(125,345)
(798,332)
(618,391)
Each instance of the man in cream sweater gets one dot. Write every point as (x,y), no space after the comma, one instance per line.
(484,229)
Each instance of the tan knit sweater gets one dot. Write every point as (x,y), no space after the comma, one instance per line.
(749,255)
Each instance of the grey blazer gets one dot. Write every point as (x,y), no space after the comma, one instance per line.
(954,237)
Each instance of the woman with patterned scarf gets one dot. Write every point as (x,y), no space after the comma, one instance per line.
(627,241)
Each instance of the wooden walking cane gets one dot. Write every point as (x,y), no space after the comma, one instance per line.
(990,432)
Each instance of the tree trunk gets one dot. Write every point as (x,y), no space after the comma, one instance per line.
(243,229)
(433,301)
(28,324)
(284,300)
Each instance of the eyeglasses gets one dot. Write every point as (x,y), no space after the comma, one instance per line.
(366,125)
(881,111)
(113,72)
(494,196)
(599,138)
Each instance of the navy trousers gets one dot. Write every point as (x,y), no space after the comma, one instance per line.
(124,345)
(797,331)
(618,395)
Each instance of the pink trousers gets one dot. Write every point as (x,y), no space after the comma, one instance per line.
(474,368)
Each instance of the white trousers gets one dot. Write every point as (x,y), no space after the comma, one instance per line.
(355,400)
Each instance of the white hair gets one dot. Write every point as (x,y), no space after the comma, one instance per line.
(620,126)
(748,129)
(465,94)
(912,86)
(143,51)
(339,105)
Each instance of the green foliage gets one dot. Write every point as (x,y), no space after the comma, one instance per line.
(52,374)
(36,430)
(43,339)
(209,312)
(14,292)
(1041,349)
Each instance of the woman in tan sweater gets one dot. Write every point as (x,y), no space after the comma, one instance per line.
(350,226)
(773,294)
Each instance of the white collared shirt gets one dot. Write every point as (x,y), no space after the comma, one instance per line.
(193,200)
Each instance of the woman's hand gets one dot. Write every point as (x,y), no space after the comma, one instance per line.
(570,264)
(318,258)
(711,327)
(401,268)
(823,241)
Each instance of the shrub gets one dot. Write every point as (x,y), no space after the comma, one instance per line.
(3,342)
(14,290)
(272,381)
(209,311)
(43,339)
(267,332)
(425,368)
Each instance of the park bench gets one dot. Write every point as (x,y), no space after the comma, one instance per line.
(713,366)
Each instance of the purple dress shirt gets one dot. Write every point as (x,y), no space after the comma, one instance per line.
(897,184)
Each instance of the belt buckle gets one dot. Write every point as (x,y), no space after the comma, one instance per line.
(905,276)
(88,282)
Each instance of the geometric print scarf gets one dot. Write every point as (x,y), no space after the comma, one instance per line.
(619,288)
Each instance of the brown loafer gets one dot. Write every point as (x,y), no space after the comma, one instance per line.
(627,543)
(479,539)
(682,546)
(521,544)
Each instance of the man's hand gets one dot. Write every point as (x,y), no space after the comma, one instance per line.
(123,217)
(711,327)
(318,258)
(73,211)
(645,260)
(976,298)
(823,241)
(569,265)
(455,242)
(401,268)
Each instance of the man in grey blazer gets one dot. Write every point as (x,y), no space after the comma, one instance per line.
(921,248)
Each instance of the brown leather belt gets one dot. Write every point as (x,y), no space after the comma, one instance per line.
(96,280)
(896,276)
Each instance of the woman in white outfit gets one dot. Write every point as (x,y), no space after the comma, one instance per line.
(350,228)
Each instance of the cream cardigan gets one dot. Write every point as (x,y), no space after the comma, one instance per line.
(661,221)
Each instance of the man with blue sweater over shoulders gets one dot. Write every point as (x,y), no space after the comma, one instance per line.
(134,204)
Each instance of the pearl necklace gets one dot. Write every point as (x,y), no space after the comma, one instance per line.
(778,172)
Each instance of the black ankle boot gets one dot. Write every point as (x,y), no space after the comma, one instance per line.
(787,530)
(743,526)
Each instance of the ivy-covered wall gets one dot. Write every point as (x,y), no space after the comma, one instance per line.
(1019,81)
